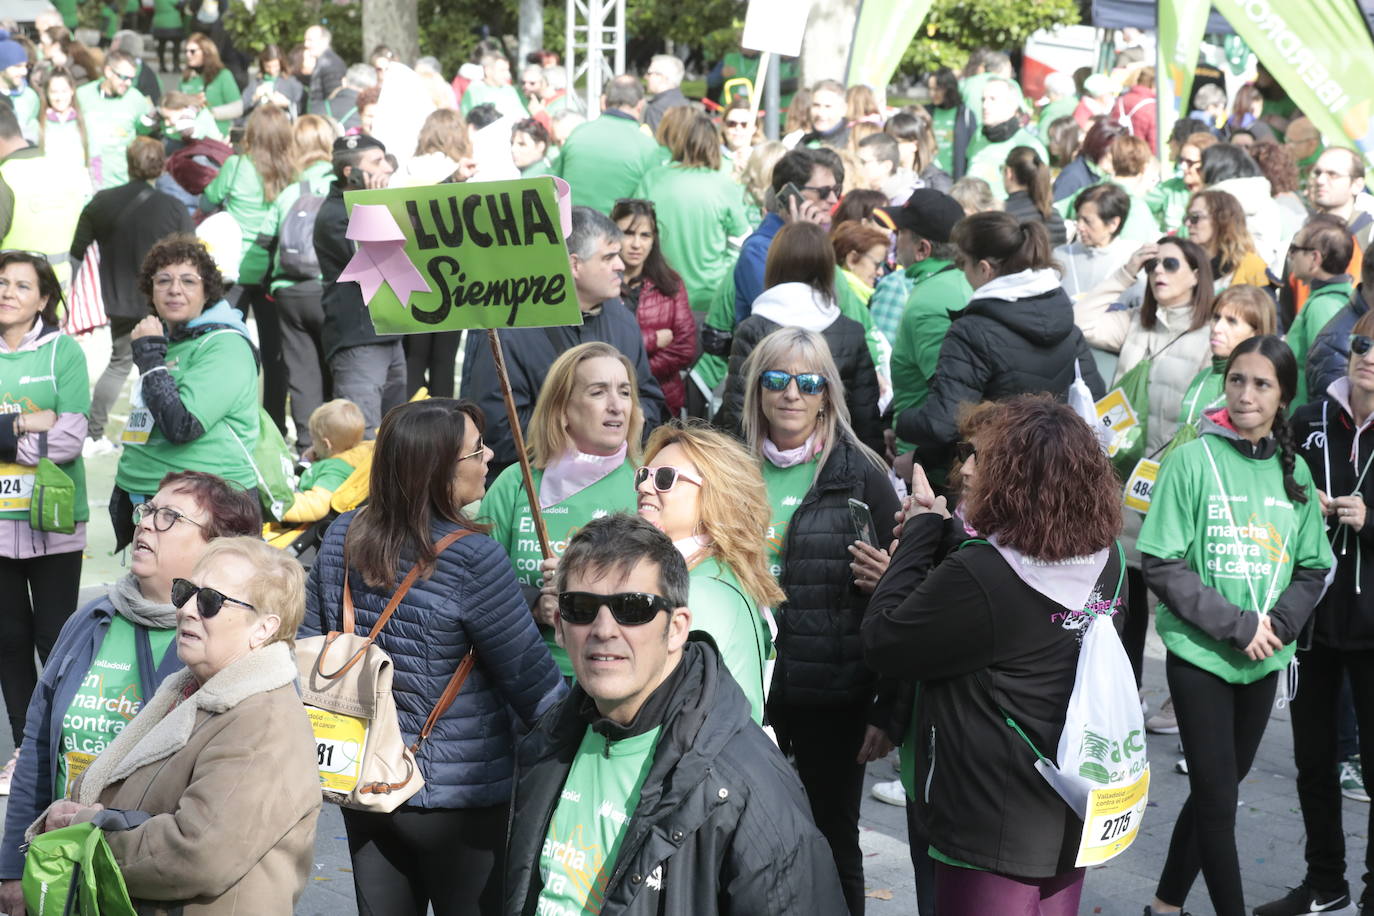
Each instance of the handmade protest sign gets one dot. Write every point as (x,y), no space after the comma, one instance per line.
(465,255)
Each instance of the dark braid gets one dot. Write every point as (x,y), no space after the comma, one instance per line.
(1288,454)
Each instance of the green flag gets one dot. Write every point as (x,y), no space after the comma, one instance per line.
(1320,53)
(1181,25)
(466,255)
(882,32)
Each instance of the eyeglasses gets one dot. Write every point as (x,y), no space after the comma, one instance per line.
(1170,265)
(166,281)
(1193,219)
(825,192)
(963,452)
(481,447)
(208,600)
(777,380)
(1298,249)
(1190,163)
(1359,344)
(164,517)
(665,477)
(630,609)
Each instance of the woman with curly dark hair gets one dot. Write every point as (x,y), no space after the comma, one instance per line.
(991,632)
(195,406)
(1235,547)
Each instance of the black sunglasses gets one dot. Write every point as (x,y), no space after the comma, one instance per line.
(1170,265)
(777,380)
(208,601)
(1359,344)
(964,451)
(630,609)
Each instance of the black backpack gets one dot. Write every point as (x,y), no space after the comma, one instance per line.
(296,242)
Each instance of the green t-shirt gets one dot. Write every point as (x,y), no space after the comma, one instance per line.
(51,377)
(26,106)
(599,797)
(699,211)
(1317,311)
(990,159)
(217,379)
(605,159)
(111,124)
(110,695)
(239,188)
(329,474)
(507,508)
(942,126)
(722,610)
(1053,111)
(1249,562)
(221,91)
(506,99)
(1168,202)
(941,288)
(787,487)
(1206,391)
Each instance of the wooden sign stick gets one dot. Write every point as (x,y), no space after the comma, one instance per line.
(518,438)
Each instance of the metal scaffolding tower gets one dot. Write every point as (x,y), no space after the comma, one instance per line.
(595,46)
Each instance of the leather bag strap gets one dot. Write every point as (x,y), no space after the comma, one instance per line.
(348,616)
(455,684)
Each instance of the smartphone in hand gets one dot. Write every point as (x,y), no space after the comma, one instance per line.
(863,522)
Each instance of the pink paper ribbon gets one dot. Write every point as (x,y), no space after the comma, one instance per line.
(381,256)
(562,192)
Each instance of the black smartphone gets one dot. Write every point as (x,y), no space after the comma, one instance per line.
(787,193)
(863,522)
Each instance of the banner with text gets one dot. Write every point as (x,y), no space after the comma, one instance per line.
(465,255)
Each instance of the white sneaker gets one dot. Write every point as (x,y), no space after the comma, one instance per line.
(891,793)
(96,448)
(1163,722)
(7,774)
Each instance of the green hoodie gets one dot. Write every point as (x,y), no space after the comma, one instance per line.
(1321,306)
(941,289)
(1227,515)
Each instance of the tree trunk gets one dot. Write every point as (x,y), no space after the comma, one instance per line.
(531,31)
(394,23)
(825,47)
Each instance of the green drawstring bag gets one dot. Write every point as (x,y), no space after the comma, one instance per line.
(72,872)
(52,506)
(272,462)
(1125,412)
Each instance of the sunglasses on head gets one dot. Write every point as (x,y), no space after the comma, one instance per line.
(630,609)
(777,380)
(1170,265)
(208,600)
(665,477)
(1359,344)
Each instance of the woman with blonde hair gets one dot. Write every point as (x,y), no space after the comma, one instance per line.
(796,427)
(295,284)
(699,486)
(757,177)
(583,440)
(440,149)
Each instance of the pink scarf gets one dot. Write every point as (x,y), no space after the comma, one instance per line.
(791,457)
(574,471)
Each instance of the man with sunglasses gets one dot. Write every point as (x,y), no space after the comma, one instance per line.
(649,785)
(113,111)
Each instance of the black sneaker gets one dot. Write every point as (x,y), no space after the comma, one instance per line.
(1150,912)
(1301,900)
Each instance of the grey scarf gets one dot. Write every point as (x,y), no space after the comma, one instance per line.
(128,600)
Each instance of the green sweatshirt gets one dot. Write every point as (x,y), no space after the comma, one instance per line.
(722,611)
(787,487)
(319,176)
(1247,554)
(605,159)
(239,189)
(1321,306)
(50,377)
(990,159)
(1168,203)
(506,508)
(221,91)
(699,211)
(111,124)
(941,288)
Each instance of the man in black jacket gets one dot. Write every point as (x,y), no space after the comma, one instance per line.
(368,369)
(329,68)
(1329,357)
(125,222)
(648,789)
(594,249)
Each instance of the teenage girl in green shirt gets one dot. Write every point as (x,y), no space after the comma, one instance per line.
(205,75)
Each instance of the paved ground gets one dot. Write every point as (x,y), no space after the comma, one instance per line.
(1269,826)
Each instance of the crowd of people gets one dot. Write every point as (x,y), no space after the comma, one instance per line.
(806,485)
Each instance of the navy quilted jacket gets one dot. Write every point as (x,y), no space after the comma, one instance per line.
(471,599)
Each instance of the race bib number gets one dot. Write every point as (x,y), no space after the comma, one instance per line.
(1116,414)
(339,744)
(140,425)
(1113,820)
(77,763)
(1141,484)
(16,486)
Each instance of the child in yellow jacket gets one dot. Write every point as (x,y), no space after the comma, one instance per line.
(336,428)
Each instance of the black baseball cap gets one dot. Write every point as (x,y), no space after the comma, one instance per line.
(929,213)
(357,143)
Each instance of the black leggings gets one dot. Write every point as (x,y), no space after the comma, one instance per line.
(40,594)
(1316,713)
(430,360)
(413,858)
(1137,621)
(825,744)
(1221,725)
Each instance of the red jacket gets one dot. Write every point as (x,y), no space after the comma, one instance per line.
(659,310)
(1138,104)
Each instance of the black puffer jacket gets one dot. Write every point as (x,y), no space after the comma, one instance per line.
(1336,452)
(995,349)
(848,346)
(722,826)
(820,658)
(1020,205)
(1330,352)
